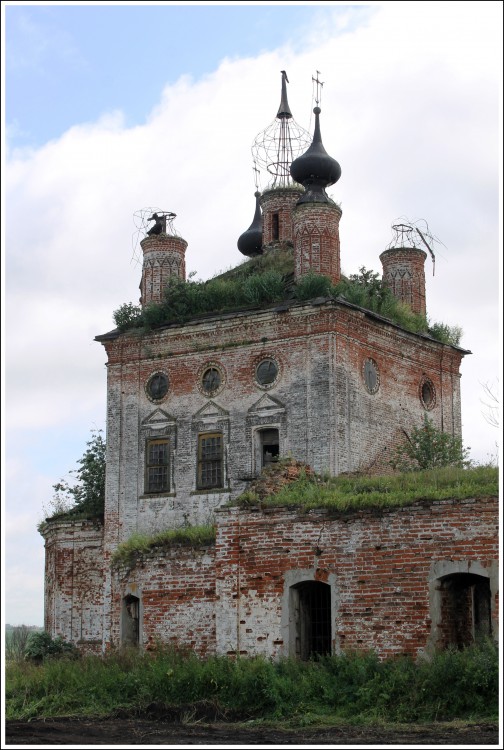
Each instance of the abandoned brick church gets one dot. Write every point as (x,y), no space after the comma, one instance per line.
(197,409)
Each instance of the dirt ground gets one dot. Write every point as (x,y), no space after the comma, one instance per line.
(146,732)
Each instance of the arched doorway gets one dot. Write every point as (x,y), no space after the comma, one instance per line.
(465,609)
(310,604)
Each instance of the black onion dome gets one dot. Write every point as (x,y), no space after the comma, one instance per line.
(315,169)
(250,242)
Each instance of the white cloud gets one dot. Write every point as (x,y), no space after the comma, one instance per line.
(410,105)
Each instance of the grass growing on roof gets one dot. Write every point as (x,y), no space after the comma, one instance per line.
(353,492)
(267,279)
(139,544)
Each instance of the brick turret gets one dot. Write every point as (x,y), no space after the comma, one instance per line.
(163,259)
(277,207)
(404,267)
(316,240)
(316,216)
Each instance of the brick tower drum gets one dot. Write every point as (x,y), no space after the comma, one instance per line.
(316,240)
(404,274)
(163,259)
(277,206)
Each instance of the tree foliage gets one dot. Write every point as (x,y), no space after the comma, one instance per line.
(86,496)
(429,448)
(16,639)
(41,646)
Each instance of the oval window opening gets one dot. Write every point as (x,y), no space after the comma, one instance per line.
(371,376)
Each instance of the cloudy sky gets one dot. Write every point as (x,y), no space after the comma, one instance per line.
(110,109)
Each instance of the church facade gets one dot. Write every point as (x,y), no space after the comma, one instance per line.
(197,410)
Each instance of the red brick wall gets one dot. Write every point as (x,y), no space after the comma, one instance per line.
(386,570)
(176,588)
(383,565)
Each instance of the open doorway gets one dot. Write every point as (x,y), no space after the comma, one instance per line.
(130,630)
(310,604)
(465,609)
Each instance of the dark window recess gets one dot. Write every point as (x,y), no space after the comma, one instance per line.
(312,612)
(156,469)
(266,372)
(131,620)
(211,381)
(371,377)
(157,387)
(275,226)
(210,454)
(270,449)
(427,392)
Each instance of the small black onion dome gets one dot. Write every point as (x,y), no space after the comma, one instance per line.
(315,169)
(250,242)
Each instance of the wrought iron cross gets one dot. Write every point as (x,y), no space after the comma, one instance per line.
(318,85)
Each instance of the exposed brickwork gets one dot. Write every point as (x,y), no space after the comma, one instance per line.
(316,240)
(176,588)
(404,274)
(74,569)
(380,564)
(385,568)
(277,205)
(163,258)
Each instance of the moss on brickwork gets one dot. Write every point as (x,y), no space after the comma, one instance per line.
(293,484)
(128,552)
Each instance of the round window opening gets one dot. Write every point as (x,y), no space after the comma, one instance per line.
(427,394)
(266,372)
(371,376)
(157,386)
(211,381)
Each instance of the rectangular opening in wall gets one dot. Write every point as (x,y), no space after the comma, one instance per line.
(275,227)
(210,455)
(269,447)
(157,477)
(130,625)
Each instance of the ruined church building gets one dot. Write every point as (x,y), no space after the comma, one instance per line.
(196,410)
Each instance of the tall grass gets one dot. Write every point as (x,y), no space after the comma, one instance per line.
(353,687)
(267,279)
(347,492)
(138,544)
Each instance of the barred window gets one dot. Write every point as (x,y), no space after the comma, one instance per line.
(210,461)
(156,466)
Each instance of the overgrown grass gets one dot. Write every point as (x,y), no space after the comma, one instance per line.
(348,492)
(139,544)
(267,279)
(357,688)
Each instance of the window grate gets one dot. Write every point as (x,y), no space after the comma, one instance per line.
(210,475)
(157,460)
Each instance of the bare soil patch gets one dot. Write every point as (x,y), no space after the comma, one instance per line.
(148,731)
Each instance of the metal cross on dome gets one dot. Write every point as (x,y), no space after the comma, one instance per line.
(318,88)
